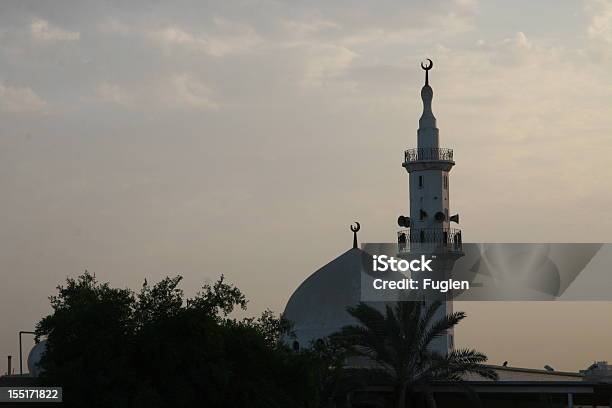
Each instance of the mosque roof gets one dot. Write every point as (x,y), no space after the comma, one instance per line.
(318,305)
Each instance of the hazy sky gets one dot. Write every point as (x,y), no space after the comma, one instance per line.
(145,139)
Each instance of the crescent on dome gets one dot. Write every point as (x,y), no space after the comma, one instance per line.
(356,228)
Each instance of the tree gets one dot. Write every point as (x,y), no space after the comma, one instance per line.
(113,347)
(88,341)
(272,328)
(399,341)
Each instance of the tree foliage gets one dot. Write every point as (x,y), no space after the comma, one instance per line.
(113,347)
(399,344)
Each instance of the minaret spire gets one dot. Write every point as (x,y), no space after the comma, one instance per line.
(428,120)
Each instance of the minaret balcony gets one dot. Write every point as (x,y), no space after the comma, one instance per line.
(428,158)
(430,240)
(428,154)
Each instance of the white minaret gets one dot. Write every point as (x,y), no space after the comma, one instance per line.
(428,227)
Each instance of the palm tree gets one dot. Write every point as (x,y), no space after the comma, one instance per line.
(398,342)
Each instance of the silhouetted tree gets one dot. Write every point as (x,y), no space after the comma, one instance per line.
(399,341)
(111,347)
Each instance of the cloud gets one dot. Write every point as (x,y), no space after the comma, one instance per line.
(227,38)
(176,91)
(467,4)
(187,91)
(304,28)
(326,62)
(600,26)
(19,99)
(522,42)
(115,94)
(44,31)
(224,37)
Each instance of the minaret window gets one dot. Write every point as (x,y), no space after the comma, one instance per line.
(420,181)
(445,182)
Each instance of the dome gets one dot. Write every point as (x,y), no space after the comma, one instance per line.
(34,358)
(317,308)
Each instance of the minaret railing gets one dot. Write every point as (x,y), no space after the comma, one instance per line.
(447,238)
(428,154)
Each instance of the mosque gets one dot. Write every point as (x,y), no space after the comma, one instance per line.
(318,306)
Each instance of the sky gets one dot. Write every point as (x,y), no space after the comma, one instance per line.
(146,139)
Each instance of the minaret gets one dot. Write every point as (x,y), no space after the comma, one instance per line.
(428,228)
(428,167)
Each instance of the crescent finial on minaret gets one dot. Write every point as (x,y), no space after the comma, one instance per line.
(356,228)
(427,68)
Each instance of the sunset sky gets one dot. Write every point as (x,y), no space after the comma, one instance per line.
(145,139)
